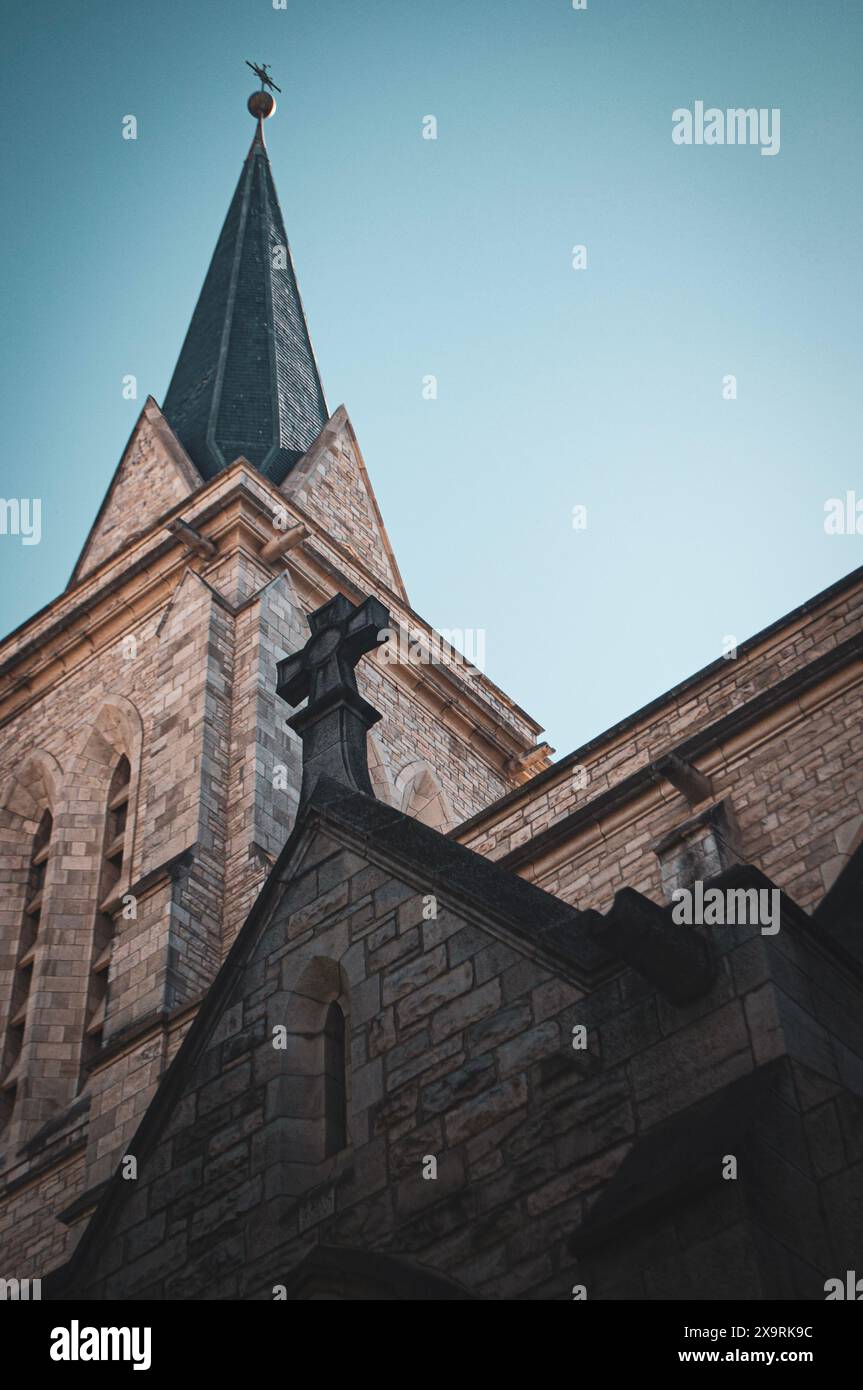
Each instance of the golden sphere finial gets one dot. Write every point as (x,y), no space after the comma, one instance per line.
(261,105)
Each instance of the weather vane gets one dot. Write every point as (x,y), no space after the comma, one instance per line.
(262,71)
(262,104)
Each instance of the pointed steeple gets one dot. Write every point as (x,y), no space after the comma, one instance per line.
(246,381)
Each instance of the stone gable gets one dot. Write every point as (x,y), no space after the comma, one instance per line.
(331,484)
(152,477)
(554,1166)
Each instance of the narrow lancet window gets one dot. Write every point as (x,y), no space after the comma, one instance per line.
(22,983)
(335,1081)
(113,854)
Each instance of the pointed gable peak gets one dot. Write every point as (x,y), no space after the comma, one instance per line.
(331,485)
(246,381)
(152,477)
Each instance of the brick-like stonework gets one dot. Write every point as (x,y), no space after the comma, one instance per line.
(818,629)
(164,651)
(460,1048)
(166,654)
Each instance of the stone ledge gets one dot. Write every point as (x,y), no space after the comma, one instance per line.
(85,1201)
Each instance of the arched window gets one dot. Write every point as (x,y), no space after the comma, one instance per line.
(335,1082)
(113,853)
(314,1007)
(422,796)
(23,976)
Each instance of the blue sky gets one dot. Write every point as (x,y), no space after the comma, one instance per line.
(453,257)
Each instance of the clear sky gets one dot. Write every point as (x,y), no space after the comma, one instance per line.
(557,387)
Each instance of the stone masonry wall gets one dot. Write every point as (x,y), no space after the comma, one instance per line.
(191,695)
(607,760)
(797,800)
(460,1047)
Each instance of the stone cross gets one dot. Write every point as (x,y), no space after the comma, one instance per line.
(336,720)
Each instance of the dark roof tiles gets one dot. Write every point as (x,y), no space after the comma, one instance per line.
(246,381)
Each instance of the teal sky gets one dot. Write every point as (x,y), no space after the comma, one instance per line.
(453,257)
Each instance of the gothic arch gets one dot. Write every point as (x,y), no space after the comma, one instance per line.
(314,1095)
(30,791)
(28,806)
(420,795)
(116,731)
(112,739)
(26,795)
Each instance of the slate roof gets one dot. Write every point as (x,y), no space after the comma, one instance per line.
(246,381)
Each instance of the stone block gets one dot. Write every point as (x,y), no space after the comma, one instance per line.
(414,974)
(480,1003)
(366,1001)
(176,1184)
(381,1033)
(394,1113)
(316,912)
(147,1269)
(522,1051)
(497,1027)
(414,1192)
(458,1085)
(422,1002)
(294,1097)
(367,1085)
(227,1211)
(198,1278)
(224,1088)
(485,1109)
(287,1141)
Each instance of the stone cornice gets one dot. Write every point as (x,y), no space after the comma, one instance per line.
(233,512)
(718,745)
(161,874)
(622,733)
(157,1023)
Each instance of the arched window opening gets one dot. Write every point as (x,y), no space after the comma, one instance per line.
(22,982)
(104,928)
(335,1082)
(423,797)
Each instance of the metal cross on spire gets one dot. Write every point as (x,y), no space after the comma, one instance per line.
(262,71)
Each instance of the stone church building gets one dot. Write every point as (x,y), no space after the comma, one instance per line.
(319,979)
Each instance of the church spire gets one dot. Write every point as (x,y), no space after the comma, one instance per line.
(246,381)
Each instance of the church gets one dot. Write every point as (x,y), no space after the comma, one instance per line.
(319,979)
